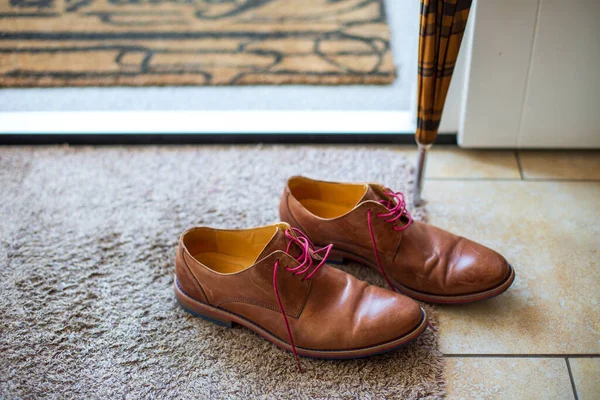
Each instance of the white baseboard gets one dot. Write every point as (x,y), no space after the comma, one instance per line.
(222,122)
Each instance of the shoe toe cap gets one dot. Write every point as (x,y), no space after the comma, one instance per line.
(384,316)
(476,268)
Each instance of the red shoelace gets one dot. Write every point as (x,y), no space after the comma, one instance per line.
(397,208)
(307,251)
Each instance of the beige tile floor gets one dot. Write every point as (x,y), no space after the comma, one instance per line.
(541,339)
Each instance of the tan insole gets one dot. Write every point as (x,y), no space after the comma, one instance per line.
(224,263)
(325,209)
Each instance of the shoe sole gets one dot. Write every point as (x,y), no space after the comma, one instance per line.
(226,318)
(338,257)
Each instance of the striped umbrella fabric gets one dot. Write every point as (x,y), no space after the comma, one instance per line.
(443,23)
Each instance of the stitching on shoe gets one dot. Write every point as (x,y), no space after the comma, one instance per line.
(193,276)
(294,313)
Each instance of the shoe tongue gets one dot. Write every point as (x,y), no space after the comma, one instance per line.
(371,194)
(277,242)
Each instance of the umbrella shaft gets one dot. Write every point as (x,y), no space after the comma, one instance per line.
(420,173)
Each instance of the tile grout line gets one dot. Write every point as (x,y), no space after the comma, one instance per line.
(514,179)
(571,378)
(521,355)
(519,166)
(561,180)
(474,179)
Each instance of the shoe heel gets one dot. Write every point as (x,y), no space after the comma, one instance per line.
(199,309)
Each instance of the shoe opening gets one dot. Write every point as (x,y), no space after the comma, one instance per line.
(326,199)
(228,251)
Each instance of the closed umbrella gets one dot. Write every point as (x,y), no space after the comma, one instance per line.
(443,23)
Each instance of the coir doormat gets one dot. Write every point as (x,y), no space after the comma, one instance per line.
(193,42)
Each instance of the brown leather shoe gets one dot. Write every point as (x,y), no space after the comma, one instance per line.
(273,281)
(369,223)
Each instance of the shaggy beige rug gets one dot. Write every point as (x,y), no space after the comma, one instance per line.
(87,241)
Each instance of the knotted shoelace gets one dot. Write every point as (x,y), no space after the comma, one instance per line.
(397,208)
(307,251)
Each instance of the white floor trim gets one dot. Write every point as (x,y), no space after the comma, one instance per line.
(223,122)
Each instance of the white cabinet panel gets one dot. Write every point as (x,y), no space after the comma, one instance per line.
(562,101)
(497,74)
(533,76)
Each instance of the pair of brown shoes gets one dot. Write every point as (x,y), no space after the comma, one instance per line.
(276,281)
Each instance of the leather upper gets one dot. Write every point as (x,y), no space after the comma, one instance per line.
(330,311)
(421,257)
